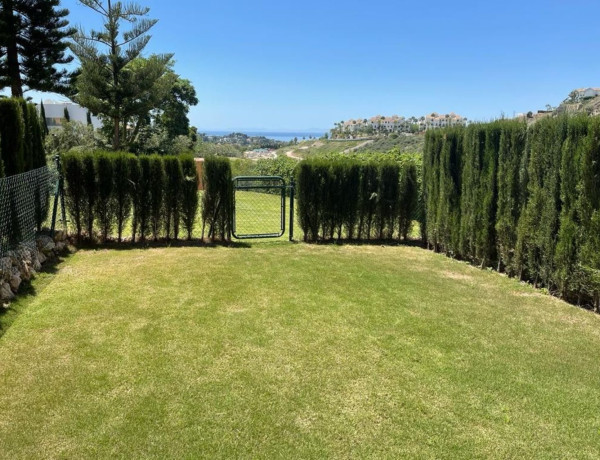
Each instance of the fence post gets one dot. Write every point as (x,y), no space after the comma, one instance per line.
(292,190)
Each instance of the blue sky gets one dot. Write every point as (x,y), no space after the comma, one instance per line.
(301,65)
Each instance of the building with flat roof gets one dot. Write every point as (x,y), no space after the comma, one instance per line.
(55,114)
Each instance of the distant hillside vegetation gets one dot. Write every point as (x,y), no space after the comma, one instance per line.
(403,143)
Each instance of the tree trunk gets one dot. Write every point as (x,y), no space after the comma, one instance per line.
(12,52)
(116,140)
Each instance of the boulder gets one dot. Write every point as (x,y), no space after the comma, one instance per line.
(15,282)
(45,244)
(6,292)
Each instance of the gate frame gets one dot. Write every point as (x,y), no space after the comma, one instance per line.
(282,187)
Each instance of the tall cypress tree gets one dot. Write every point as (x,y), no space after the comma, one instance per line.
(43,121)
(33,37)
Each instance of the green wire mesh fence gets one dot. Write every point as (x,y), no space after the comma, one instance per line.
(24,203)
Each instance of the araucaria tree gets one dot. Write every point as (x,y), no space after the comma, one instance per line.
(33,37)
(110,82)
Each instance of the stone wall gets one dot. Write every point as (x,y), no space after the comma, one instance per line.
(23,263)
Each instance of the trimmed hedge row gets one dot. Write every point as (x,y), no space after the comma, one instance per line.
(155,194)
(525,200)
(21,137)
(217,199)
(352,199)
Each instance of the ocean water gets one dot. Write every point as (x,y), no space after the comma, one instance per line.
(275,135)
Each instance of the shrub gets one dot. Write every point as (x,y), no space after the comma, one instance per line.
(189,193)
(408,201)
(27,137)
(367,200)
(12,132)
(387,200)
(144,203)
(90,191)
(173,183)
(157,191)
(123,189)
(37,138)
(105,201)
(134,174)
(74,190)
(217,200)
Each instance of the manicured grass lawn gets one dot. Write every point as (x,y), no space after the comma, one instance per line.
(295,351)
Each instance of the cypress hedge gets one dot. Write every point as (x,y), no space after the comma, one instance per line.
(105,201)
(74,192)
(189,193)
(106,190)
(12,136)
(21,137)
(525,200)
(217,199)
(173,182)
(122,190)
(144,191)
(157,190)
(134,174)
(348,199)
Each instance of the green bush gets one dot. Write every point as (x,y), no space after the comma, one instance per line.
(525,200)
(74,191)
(12,132)
(348,198)
(157,192)
(173,187)
(122,191)
(90,193)
(144,194)
(27,137)
(134,174)
(217,199)
(37,138)
(105,201)
(189,193)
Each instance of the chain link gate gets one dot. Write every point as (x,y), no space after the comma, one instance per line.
(259,207)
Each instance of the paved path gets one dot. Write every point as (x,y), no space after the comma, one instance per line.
(356,147)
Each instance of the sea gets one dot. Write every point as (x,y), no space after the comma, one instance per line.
(275,135)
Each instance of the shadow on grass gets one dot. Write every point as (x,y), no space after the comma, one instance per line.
(28,289)
(160,243)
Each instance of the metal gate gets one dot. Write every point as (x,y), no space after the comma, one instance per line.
(259,207)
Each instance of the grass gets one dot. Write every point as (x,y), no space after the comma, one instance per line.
(282,350)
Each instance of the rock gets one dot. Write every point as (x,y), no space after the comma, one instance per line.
(41,257)
(6,292)
(60,246)
(45,244)
(59,236)
(15,282)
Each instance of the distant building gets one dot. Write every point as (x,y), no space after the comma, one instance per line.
(399,124)
(585,93)
(55,114)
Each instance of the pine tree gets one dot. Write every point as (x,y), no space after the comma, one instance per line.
(110,83)
(33,37)
(66,115)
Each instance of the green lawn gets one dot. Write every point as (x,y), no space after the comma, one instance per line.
(283,350)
